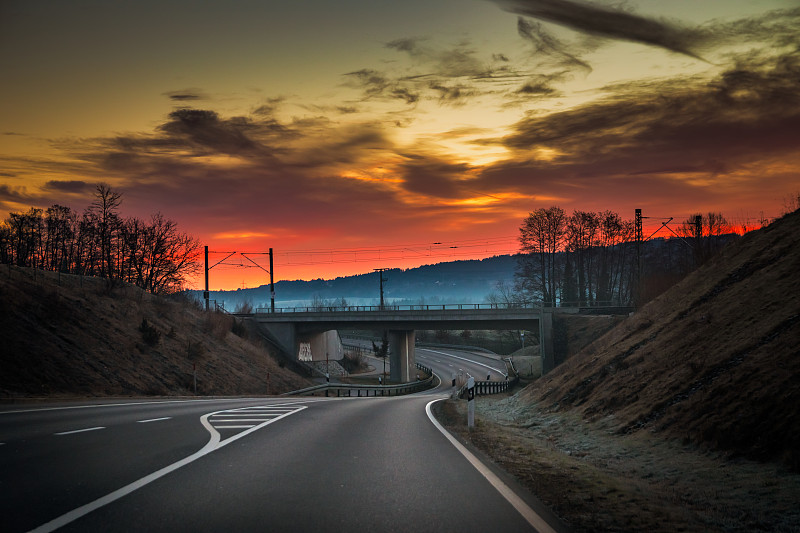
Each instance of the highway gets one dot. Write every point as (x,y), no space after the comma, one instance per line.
(259,464)
(447,363)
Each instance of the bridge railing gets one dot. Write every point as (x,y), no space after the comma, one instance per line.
(429,307)
(369,308)
(346,389)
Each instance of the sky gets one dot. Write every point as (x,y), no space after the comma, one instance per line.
(355,135)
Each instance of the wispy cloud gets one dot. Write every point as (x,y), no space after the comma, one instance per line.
(681,136)
(610,22)
(336,165)
(547,44)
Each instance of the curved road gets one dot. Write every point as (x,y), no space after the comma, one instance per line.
(262,464)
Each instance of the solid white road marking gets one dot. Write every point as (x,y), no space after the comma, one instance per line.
(251,413)
(154,419)
(227,420)
(79,430)
(518,503)
(214,443)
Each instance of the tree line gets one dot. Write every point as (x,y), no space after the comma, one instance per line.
(152,254)
(593,259)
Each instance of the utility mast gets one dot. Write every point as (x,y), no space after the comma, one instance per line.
(380,272)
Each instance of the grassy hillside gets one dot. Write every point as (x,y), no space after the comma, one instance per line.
(71,336)
(714,361)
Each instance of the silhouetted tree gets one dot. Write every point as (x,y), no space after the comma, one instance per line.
(154,255)
(541,237)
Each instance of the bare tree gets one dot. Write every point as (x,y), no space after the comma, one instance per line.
(542,236)
(581,231)
(105,209)
(155,255)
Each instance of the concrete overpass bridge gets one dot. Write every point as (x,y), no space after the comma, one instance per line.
(304,332)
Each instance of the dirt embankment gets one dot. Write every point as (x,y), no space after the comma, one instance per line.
(600,481)
(683,417)
(714,361)
(69,336)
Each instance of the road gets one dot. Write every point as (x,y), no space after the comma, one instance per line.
(448,363)
(261,464)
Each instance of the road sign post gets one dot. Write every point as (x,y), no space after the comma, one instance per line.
(471,402)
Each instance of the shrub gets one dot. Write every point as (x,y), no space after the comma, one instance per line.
(150,335)
(244,307)
(195,351)
(238,328)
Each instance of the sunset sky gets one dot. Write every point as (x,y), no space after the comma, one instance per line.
(353,135)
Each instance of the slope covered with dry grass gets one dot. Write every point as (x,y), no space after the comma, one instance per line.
(71,336)
(714,361)
(684,417)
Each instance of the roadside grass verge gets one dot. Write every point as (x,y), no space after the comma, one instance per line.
(599,481)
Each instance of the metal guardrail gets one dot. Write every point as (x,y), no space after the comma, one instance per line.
(484,388)
(377,390)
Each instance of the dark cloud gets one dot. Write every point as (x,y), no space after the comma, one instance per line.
(268,109)
(459,61)
(450,74)
(204,129)
(454,94)
(609,22)
(185,95)
(68,186)
(12,194)
(371,81)
(664,134)
(406,94)
(780,28)
(376,85)
(404,45)
(537,89)
(748,109)
(433,177)
(547,44)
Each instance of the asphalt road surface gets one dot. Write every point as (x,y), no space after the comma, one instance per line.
(447,363)
(262,464)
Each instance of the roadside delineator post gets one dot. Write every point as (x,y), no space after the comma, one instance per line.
(471,402)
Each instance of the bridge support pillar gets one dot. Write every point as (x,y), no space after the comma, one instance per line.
(401,355)
(546,340)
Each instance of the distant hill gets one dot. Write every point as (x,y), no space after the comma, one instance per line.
(469,281)
(713,361)
(666,261)
(65,336)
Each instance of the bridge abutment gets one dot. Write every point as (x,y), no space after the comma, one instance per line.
(402,367)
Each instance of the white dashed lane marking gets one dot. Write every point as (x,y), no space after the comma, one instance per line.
(154,419)
(267,414)
(79,431)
